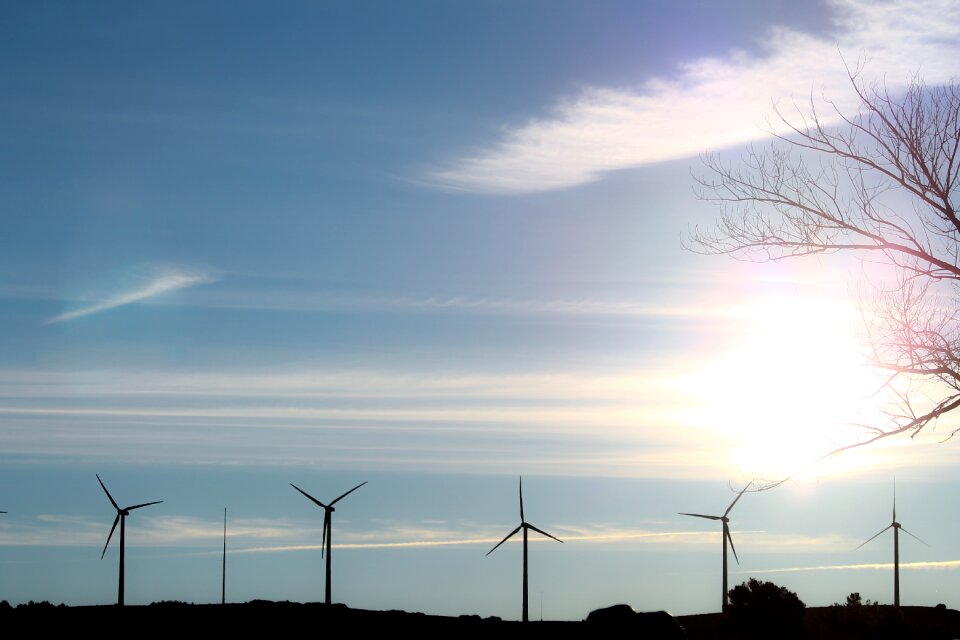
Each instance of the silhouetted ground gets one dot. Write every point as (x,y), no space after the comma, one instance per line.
(867,622)
(256,617)
(871,622)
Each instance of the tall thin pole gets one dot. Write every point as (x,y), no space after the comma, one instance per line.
(223,584)
(123,526)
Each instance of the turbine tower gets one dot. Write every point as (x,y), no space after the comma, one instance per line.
(122,519)
(897,528)
(327,530)
(223,573)
(726,537)
(525,526)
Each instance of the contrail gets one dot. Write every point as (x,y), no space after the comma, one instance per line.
(939,564)
(459,542)
(162,283)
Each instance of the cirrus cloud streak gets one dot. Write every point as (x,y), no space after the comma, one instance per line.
(712,103)
(161,283)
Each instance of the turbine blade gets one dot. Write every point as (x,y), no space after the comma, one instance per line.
(881,531)
(521,500)
(348,493)
(700,515)
(115,521)
(308,495)
(894,500)
(145,504)
(727,512)
(545,533)
(323,540)
(509,535)
(912,536)
(112,501)
(726,532)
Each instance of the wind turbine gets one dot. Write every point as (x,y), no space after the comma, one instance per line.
(726,536)
(897,528)
(122,519)
(327,531)
(525,526)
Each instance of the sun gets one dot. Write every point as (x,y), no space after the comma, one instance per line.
(790,385)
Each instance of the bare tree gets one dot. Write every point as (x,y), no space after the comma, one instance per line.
(880,183)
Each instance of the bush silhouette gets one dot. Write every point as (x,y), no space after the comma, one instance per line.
(766,610)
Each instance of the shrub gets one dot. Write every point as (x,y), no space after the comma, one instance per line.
(766,610)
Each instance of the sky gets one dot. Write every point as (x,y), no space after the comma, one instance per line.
(436,246)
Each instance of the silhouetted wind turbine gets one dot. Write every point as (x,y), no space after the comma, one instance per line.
(122,519)
(726,536)
(897,528)
(525,526)
(327,531)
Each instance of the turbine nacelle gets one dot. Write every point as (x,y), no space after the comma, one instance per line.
(893,525)
(524,525)
(121,515)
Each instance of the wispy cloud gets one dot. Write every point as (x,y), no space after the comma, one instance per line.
(259,535)
(477,541)
(623,419)
(605,422)
(494,306)
(935,564)
(389,538)
(152,531)
(673,298)
(160,283)
(712,103)
(693,295)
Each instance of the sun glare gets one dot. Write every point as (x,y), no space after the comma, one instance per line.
(791,386)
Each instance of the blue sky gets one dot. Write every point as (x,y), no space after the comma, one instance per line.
(434,246)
